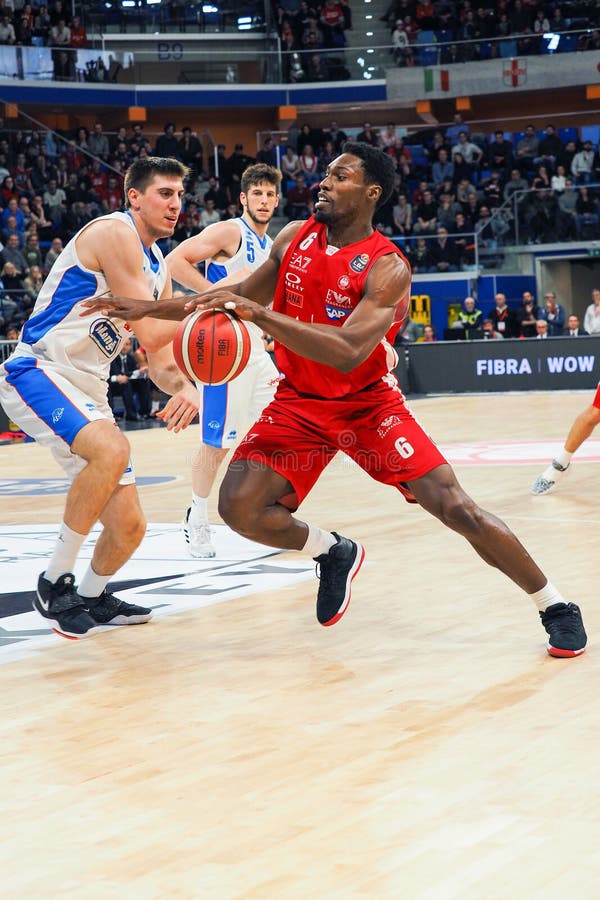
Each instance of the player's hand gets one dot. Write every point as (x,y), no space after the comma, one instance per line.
(118,307)
(220,299)
(181,409)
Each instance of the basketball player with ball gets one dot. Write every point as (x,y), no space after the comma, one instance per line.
(230,250)
(55,386)
(340,290)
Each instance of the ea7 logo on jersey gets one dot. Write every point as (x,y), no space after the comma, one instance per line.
(106,336)
(340,300)
(359,263)
(334,313)
(299,261)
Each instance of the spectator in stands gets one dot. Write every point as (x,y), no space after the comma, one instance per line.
(42,24)
(463,240)
(470,319)
(336,135)
(491,188)
(332,24)
(7,30)
(290,166)
(33,283)
(209,214)
(232,211)
(402,216)
(574,328)
(56,248)
(78,34)
(426,215)
(368,135)
(126,380)
(442,168)
(443,252)
(550,147)
(419,256)
(32,252)
(541,180)
(12,253)
(11,228)
(471,153)
(527,150)
(489,333)
(400,44)
(541,330)
(582,165)
(591,319)
(299,200)
(309,165)
(516,184)
(189,150)
(500,153)
(97,142)
(237,162)
(567,205)
(565,156)
(558,182)
(553,314)
(167,143)
(453,131)
(428,335)
(217,194)
(586,214)
(527,315)
(24,29)
(504,318)
(267,154)
(447,209)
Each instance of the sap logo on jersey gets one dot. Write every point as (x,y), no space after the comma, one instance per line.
(334,313)
(359,263)
(106,336)
(337,299)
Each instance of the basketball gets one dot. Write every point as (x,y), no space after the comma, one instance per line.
(211,346)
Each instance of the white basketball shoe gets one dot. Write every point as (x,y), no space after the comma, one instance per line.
(198,538)
(546,482)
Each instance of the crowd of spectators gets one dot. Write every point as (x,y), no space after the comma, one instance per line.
(313,36)
(453,189)
(51,186)
(458,187)
(467,31)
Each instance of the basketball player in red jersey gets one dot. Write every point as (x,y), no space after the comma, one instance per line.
(340,290)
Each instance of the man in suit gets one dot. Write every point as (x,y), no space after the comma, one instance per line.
(127,380)
(574,328)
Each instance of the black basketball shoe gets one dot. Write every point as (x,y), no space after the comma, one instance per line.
(62,606)
(564,625)
(109,610)
(336,570)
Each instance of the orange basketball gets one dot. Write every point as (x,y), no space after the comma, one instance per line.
(211,346)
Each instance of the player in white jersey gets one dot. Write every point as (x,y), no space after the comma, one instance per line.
(54,386)
(230,251)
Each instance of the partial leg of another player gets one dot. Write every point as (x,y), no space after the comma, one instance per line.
(123,531)
(196,527)
(580,431)
(441,495)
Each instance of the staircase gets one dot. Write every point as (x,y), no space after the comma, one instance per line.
(368,32)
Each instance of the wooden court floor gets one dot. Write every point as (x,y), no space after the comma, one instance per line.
(425,747)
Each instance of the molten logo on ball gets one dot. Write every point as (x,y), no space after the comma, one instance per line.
(211,346)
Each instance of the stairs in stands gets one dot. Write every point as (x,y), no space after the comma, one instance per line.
(368,33)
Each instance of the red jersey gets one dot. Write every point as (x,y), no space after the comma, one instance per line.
(324,284)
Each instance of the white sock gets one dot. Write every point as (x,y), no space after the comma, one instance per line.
(199,510)
(318,541)
(65,553)
(92,585)
(547,596)
(564,458)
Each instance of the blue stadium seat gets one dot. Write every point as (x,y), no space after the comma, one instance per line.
(568,134)
(568,43)
(591,133)
(508,49)
(426,56)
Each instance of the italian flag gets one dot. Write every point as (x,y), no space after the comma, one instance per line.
(436,80)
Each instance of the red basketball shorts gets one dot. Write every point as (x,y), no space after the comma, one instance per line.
(596,400)
(297,436)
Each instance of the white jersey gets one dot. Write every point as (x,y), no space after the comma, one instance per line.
(60,339)
(252,252)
